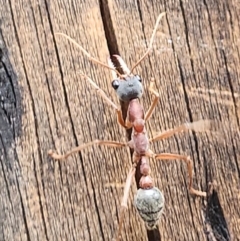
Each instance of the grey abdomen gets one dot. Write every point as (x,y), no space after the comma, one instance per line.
(149,203)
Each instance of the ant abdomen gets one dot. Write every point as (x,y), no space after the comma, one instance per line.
(150,204)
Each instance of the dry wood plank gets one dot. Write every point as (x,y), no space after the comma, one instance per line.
(71,200)
(196,79)
(195,67)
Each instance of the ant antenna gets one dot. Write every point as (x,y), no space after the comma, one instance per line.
(87,54)
(151,41)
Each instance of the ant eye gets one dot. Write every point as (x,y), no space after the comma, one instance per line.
(138,78)
(115,84)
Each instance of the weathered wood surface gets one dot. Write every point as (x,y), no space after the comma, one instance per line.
(46,104)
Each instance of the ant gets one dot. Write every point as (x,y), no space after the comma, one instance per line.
(149,200)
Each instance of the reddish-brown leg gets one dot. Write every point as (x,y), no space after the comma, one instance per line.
(154,102)
(101,93)
(188,161)
(83,146)
(125,199)
(201,125)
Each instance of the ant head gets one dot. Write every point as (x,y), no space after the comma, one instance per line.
(129,87)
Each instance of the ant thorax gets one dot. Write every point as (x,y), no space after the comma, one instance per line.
(140,142)
(136,112)
(128,88)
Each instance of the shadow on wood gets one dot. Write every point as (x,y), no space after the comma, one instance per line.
(216,227)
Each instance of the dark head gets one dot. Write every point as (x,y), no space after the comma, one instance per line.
(128,88)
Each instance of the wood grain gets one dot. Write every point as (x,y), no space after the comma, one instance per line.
(45,104)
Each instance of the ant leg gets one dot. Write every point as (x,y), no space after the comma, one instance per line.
(168,133)
(125,198)
(188,161)
(154,102)
(81,147)
(201,125)
(101,93)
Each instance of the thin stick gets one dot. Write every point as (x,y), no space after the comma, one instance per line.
(151,41)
